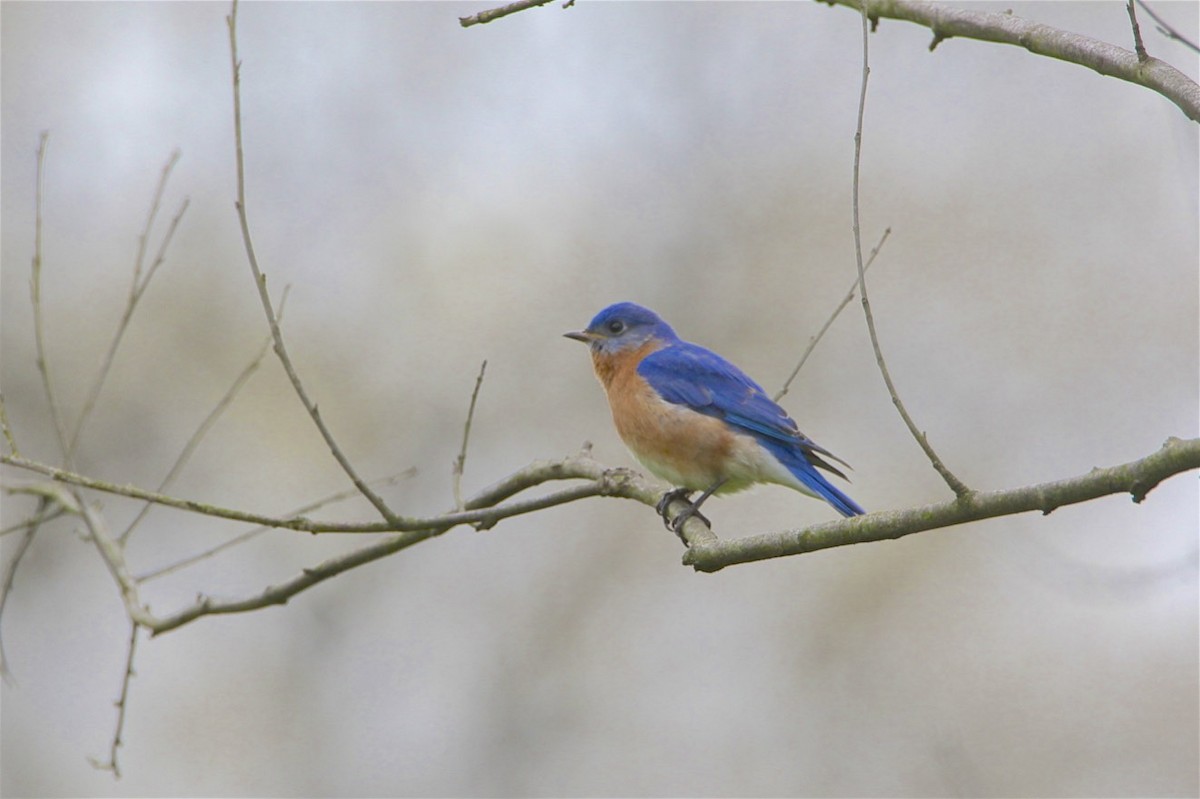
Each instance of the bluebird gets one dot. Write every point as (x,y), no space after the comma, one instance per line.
(696,420)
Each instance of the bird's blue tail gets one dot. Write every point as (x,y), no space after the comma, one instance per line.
(804,470)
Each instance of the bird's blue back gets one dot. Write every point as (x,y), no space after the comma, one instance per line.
(688,374)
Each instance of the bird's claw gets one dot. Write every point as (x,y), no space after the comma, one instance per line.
(664,504)
(687,513)
(692,510)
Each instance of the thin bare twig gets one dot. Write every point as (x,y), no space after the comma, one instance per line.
(1138,46)
(956,485)
(1166,30)
(812,342)
(113,765)
(461,460)
(144,239)
(35,288)
(194,440)
(484,17)
(39,339)
(137,288)
(242,538)
(484,515)
(33,521)
(602,481)
(260,281)
(113,555)
(10,569)
(8,436)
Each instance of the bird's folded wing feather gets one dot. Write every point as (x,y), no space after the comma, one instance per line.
(690,375)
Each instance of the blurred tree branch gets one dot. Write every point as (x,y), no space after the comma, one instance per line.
(1167,30)
(479,513)
(815,340)
(705,551)
(947,22)
(137,288)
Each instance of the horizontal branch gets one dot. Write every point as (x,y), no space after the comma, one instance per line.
(1136,478)
(1107,59)
(603,482)
(481,511)
(705,552)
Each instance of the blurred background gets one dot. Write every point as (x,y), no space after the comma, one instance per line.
(435,197)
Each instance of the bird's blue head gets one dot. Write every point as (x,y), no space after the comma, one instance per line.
(623,326)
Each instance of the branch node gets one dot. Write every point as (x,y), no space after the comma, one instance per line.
(614,480)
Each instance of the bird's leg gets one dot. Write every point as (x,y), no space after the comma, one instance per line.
(665,503)
(693,509)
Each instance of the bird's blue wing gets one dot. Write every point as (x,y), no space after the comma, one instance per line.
(687,374)
(690,375)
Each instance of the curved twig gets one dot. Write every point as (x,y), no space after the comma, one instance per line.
(957,486)
(260,281)
(1167,30)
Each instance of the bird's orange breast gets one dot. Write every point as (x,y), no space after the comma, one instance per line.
(676,443)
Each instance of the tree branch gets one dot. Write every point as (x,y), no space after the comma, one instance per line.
(260,282)
(113,764)
(1167,30)
(957,486)
(137,288)
(254,532)
(1138,46)
(1135,478)
(1107,59)
(482,512)
(201,431)
(35,290)
(812,342)
(603,482)
(8,436)
(10,569)
(484,17)
(461,461)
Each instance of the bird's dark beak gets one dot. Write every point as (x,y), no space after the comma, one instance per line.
(582,335)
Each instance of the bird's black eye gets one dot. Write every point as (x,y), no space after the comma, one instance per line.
(616,327)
